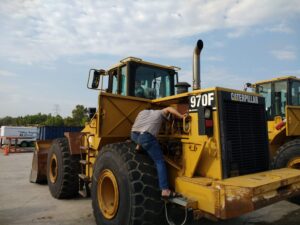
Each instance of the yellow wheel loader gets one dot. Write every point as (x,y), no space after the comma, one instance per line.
(282,96)
(217,159)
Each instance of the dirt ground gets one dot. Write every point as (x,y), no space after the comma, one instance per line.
(24,203)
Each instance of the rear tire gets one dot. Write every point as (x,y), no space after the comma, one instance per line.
(24,144)
(288,155)
(136,196)
(62,170)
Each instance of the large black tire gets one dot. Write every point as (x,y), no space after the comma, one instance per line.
(137,182)
(24,144)
(66,182)
(283,157)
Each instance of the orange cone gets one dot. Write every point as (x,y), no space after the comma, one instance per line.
(6,151)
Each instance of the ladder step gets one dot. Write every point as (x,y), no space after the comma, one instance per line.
(184,202)
(83,177)
(84,148)
(84,162)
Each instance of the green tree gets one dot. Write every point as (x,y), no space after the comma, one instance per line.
(6,121)
(54,121)
(79,115)
(69,122)
(79,118)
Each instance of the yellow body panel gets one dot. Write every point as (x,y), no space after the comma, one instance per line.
(113,120)
(202,153)
(200,190)
(293,120)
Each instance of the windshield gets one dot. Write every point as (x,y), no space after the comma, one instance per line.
(275,95)
(152,82)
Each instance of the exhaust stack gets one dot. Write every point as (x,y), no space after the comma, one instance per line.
(196,65)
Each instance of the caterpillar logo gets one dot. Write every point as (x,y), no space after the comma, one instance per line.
(244,98)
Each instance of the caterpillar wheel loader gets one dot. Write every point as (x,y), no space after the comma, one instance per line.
(282,96)
(217,158)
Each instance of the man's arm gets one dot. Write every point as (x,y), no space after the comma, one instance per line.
(173,112)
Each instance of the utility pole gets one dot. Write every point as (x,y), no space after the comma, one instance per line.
(56,109)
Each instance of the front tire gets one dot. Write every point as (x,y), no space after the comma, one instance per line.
(62,170)
(125,187)
(288,155)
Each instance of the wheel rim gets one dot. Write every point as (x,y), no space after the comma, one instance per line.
(108,194)
(53,168)
(294,163)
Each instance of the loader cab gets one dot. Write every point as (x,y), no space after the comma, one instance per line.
(138,78)
(279,93)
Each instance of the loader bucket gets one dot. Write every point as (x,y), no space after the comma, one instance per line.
(39,162)
(233,197)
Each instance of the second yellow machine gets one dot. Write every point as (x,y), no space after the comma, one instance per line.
(282,96)
(218,160)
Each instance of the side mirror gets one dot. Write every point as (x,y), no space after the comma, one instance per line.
(93,83)
(96,79)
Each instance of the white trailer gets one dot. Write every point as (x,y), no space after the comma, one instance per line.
(28,133)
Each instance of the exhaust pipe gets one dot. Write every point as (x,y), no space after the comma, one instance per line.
(196,65)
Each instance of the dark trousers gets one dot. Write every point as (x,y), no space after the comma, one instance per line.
(152,147)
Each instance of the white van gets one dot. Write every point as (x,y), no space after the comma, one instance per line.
(29,133)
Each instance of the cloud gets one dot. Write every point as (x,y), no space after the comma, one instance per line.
(237,33)
(247,13)
(284,54)
(5,73)
(281,28)
(35,31)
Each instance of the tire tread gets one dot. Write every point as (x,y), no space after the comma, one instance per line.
(68,187)
(147,206)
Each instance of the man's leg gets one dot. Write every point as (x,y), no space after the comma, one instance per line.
(134,137)
(151,145)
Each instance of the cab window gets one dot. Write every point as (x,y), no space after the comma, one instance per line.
(124,80)
(280,97)
(119,75)
(295,93)
(115,84)
(266,91)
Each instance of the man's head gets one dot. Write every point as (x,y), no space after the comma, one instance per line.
(138,83)
(139,91)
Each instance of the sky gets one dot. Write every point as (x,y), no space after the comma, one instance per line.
(48,46)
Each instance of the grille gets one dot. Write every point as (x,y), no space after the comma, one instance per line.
(245,147)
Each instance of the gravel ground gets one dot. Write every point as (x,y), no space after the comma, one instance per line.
(24,203)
